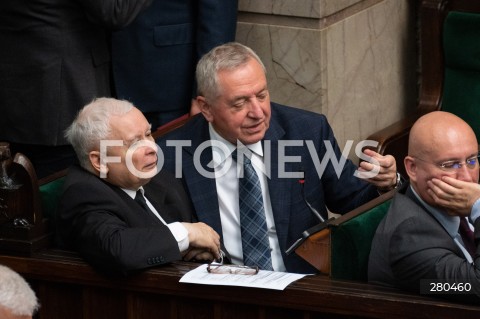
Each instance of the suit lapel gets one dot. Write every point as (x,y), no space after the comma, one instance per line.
(409,193)
(168,212)
(134,205)
(279,188)
(203,191)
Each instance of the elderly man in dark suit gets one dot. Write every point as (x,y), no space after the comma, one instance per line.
(115,210)
(55,58)
(154,58)
(292,143)
(425,243)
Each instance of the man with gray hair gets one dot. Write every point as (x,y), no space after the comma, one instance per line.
(117,210)
(237,113)
(17,299)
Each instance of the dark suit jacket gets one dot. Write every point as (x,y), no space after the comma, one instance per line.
(411,245)
(111,231)
(154,58)
(54,59)
(292,216)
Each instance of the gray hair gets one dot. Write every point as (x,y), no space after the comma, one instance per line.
(15,293)
(92,125)
(228,56)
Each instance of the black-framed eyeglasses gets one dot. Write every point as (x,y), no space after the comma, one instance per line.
(214,268)
(449,166)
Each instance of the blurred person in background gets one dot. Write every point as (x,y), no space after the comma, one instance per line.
(55,58)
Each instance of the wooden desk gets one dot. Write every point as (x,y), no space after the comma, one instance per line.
(69,288)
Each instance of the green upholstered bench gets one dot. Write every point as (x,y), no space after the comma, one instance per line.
(50,193)
(351,243)
(461,46)
(50,190)
(341,249)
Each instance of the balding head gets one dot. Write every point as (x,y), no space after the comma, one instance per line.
(435,130)
(436,138)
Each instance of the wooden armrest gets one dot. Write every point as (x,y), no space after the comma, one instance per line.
(52,177)
(362,209)
(316,250)
(170,126)
(393,140)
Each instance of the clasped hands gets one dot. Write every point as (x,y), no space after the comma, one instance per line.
(204,243)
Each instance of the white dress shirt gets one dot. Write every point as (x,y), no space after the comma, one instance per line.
(228,201)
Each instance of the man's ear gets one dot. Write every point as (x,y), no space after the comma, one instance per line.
(410,168)
(205,108)
(94,157)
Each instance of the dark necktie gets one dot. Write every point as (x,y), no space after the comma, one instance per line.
(140,199)
(467,236)
(253,224)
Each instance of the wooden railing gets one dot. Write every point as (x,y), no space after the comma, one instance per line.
(69,288)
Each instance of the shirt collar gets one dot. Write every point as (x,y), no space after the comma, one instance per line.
(219,157)
(133,193)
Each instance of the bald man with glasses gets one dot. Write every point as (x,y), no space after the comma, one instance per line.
(427,242)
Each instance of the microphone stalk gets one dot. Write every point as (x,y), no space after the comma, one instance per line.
(312,209)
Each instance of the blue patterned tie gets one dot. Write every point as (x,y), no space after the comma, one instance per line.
(256,248)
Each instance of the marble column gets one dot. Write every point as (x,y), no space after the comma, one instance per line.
(352,60)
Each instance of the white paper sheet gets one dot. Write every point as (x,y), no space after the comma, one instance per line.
(264,279)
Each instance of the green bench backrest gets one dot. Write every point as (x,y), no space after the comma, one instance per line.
(461,45)
(351,243)
(50,195)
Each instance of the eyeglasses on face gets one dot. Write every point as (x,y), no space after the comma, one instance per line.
(470,163)
(214,268)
